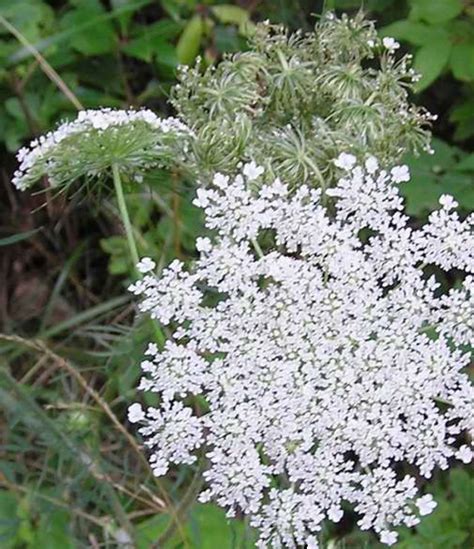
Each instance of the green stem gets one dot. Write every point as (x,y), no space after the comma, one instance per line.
(124,214)
(317,172)
(257,248)
(160,337)
(282,60)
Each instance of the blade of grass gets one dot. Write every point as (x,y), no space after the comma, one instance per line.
(45,66)
(188,499)
(59,37)
(65,505)
(45,427)
(58,286)
(14,238)
(73,372)
(85,316)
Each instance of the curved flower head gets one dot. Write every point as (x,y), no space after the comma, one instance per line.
(133,140)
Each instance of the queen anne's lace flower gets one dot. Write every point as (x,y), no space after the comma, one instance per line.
(94,140)
(324,362)
(172,433)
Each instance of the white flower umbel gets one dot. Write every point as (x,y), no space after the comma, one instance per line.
(109,144)
(135,140)
(326,356)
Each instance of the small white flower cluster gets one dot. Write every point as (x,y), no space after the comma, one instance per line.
(86,121)
(325,363)
(389,43)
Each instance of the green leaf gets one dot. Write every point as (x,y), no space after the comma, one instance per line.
(466,165)
(150,39)
(9,521)
(30,17)
(144,48)
(435,11)
(53,531)
(231,14)
(189,42)
(119,265)
(166,59)
(462,61)
(14,238)
(415,32)
(69,32)
(172,8)
(462,484)
(13,125)
(434,175)
(125,9)
(25,529)
(463,116)
(207,527)
(215,529)
(228,39)
(114,244)
(430,61)
(98,39)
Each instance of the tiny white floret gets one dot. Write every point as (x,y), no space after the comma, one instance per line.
(146,265)
(220,180)
(135,413)
(371,165)
(390,43)
(400,174)
(345,161)
(388,538)
(448,202)
(252,171)
(426,504)
(203,244)
(335,513)
(464,454)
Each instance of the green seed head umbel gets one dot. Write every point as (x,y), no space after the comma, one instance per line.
(293,101)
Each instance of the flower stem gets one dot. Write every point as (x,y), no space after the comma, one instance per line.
(257,248)
(160,337)
(124,214)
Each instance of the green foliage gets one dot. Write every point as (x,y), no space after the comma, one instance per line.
(95,34)
(448,171)
(442,32)
(83,39)
(165,220)
(207,528)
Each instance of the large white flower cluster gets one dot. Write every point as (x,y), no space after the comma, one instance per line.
(87,121)
(326,362)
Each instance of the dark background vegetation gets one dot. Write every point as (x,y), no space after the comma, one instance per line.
(70,474)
